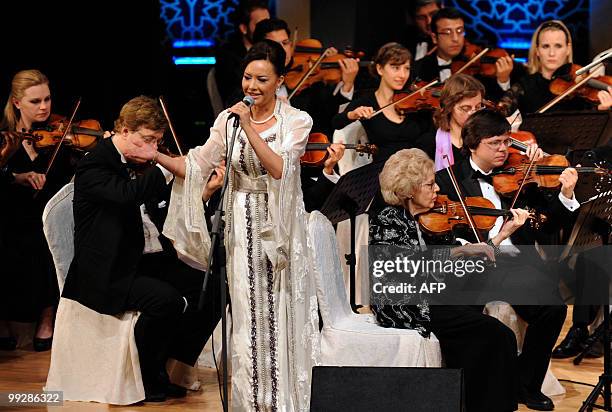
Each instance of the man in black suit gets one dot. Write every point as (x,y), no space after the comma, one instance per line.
(105,274)
(229,55)
(448,34)
(485,138)
(418,37)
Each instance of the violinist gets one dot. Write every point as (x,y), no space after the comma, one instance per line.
(229,55)
(390,130)
(448,34)
(419,40)
(461,96)
(107,273)
(485,139)
(320,101)
(551,48)
(479,344)
(30,284)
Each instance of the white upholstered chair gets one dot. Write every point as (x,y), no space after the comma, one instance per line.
(350,339)
(94,356)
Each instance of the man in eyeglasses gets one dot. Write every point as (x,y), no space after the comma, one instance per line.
(448,34)
(520,276)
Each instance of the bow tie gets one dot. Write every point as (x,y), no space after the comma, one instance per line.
(476,174)
(444,66)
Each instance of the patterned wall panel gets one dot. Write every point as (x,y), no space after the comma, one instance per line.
(198,20)
(511,23)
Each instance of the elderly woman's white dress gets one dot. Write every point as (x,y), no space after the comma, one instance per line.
(273,297)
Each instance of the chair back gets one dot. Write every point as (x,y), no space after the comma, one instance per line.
(213,93)
(331,292)
(58,226)
(354,133)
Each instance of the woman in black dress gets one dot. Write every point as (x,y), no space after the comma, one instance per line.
(551,48)
(389,130)
(479,344)
(29,283)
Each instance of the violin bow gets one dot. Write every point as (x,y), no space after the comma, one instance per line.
(422,89)
(523,180)
(568,91)
(472,60)
(68,128)
(163,106)
(308,73)
(453,179)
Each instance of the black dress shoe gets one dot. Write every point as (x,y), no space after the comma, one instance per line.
(8,343)
(536,400)
(596,350)
(42,344)
(153,396)
(175,391)
(572,344)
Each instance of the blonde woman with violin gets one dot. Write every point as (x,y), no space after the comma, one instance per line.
(479,344)
(388,129)
(550,55)
(29,281)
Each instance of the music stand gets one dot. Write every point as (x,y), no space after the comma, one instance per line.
(592,229)
(352,196)
(559,132)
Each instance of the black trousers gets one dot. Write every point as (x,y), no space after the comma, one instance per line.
(545,323)
(161,306)
(165,329)
(486,351)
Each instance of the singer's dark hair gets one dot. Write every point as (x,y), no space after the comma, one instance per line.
(267,50)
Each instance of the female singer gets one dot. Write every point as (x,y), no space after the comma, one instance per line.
(274,314)
(30,285)
(481,345)
(390,130)
(551,48)
(461,96)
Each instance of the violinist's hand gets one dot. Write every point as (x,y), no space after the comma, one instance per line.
(139,152)
(568,179)
(534,150)
(349,68)
(215,181)
(504,66)
(335,152)
(605,99)
(474,249)
(331,51)
(519,217)
(11,144)
(362,112)
(243,112)
(30,179)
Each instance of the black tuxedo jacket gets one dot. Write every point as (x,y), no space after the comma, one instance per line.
(108,238)
(315,191)
(427,69)
(545,202)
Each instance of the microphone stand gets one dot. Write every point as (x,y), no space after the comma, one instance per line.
(217,259)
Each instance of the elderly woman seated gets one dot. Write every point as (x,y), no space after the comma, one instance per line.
(479,344)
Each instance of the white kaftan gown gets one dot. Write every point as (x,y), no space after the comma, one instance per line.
(275,336)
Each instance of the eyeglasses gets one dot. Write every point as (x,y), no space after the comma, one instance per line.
(429,185)
(460,31)
(149,139)
(470,109)
(496,144)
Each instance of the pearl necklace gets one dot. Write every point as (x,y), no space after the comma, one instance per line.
(261,121)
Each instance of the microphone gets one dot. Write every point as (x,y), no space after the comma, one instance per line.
(248,100)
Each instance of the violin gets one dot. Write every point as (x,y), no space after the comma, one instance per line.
(544,173)
(483,65)
(565,77)
(84,134)
(447,214)
(311,65)
(316,150)
(425,99)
